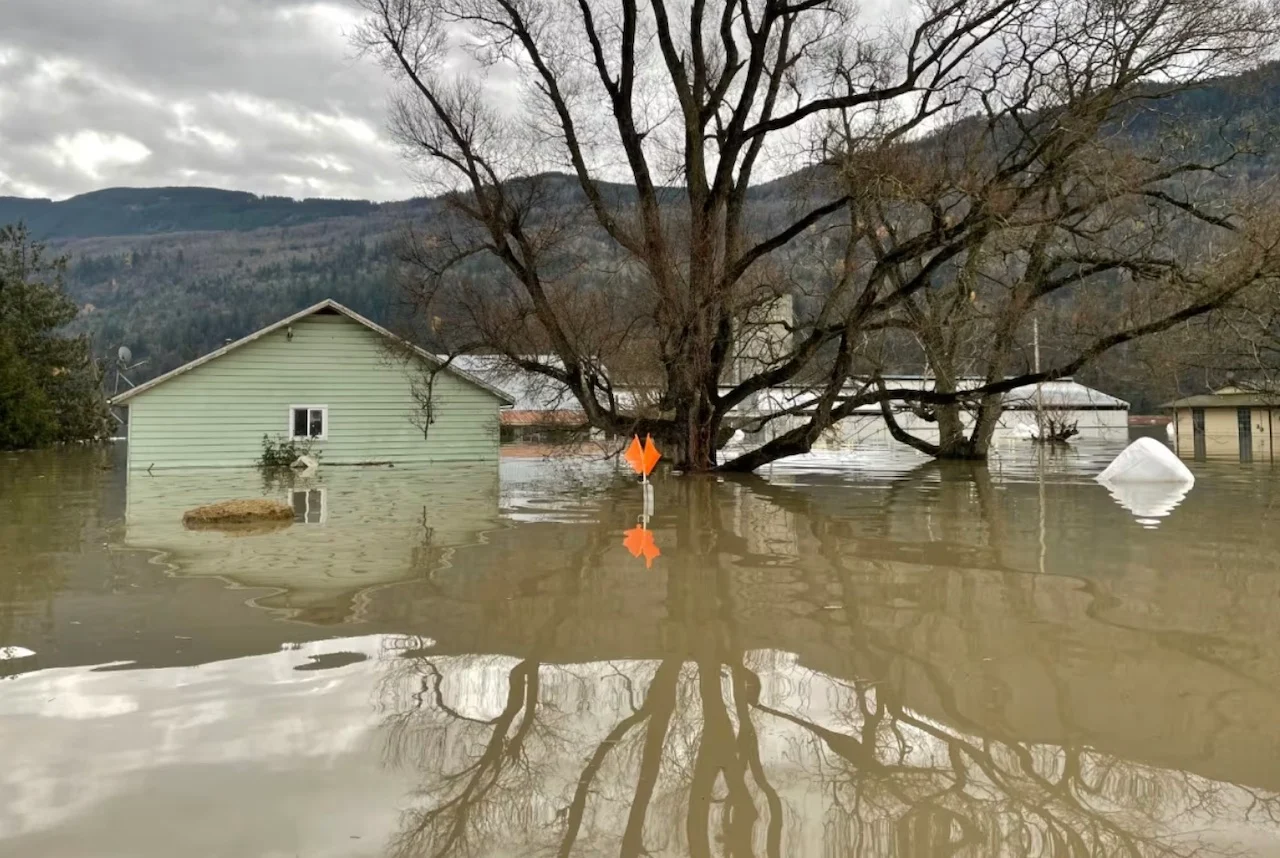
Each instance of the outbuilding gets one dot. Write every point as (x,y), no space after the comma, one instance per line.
(325,376)
(1234,422)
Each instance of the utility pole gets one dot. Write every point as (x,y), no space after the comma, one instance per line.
(1035,338)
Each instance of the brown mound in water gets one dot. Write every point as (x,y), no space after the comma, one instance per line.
(238,512)
(247,528)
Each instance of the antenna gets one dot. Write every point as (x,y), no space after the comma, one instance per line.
(123,356)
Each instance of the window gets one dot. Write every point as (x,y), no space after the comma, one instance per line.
(308,506)
(309,422)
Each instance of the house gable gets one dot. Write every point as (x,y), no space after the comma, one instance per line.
(216,411)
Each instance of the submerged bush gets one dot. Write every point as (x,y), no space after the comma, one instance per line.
(281,452)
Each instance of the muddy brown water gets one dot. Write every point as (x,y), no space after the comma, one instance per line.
(857,655)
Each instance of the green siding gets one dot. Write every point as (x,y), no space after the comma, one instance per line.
(216,414)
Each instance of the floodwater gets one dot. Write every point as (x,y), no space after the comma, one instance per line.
(867,655)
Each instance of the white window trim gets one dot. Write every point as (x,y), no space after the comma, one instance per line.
(324,502)
(323,436)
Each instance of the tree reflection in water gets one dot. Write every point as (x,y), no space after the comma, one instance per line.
(720,749)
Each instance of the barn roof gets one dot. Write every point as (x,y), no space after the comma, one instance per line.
(326,305)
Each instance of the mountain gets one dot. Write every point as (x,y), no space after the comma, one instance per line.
(141,211)
(176,272)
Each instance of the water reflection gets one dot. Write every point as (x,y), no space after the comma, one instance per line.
(906,740)
(916,660)
(758,756)
(640,540)
(372,528)
(1149,502)
(884,732)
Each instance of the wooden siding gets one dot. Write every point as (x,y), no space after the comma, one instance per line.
(216,414)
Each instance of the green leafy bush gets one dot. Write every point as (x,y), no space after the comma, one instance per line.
(281,452)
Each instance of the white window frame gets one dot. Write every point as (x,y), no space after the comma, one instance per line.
(324,502)
(324,417)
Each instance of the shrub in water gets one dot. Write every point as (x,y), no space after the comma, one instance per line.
(281,452)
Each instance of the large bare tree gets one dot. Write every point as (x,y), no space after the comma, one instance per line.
(963,138)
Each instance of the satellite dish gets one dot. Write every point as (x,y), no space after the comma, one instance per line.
(124,355)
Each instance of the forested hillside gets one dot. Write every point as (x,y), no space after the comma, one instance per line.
(175,272)
(140,211)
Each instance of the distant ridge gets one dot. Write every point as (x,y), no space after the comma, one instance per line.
(147,211)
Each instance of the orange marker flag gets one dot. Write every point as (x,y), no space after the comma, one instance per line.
(651,455)
(635,455)
(639,541)
(642,457)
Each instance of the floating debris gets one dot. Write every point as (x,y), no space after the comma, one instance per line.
(1146,461)
(1148,479)
(8,653)
(305,465)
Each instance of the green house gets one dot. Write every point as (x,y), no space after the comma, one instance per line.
(325,375)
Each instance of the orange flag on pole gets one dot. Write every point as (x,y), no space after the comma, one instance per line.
(635,455)
(642,457)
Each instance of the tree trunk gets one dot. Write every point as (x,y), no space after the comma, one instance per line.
(950,426)
(977,445)
(697,429)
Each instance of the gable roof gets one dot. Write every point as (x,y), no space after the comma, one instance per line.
(326,304)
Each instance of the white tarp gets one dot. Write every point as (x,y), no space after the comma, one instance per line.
(1146,461)
(1147,479)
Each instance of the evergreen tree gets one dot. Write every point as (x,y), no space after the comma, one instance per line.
(50,386)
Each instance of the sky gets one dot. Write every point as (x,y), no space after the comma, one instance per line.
(264,96)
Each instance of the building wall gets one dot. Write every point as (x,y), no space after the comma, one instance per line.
(216,414)
(1093,425)
(1222,433)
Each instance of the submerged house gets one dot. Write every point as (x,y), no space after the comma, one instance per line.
(323,376)
(1097,416)
(1233,422)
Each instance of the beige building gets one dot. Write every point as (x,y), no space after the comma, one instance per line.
(1233,422)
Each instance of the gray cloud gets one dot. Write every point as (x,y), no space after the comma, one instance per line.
(255,95)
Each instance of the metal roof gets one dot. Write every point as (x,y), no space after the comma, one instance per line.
(530,391)
(1063,393)
(327,304)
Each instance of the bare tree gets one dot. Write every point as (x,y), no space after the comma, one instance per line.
(652,282)
(1239,346)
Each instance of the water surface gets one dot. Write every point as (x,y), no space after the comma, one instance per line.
(855,655)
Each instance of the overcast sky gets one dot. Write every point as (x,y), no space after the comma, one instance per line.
(256,95)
